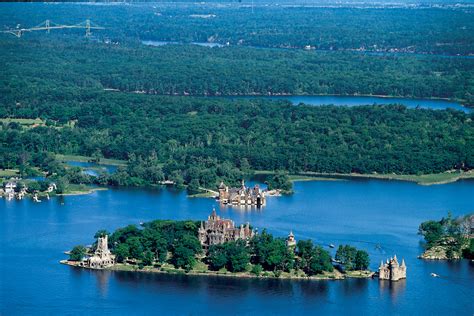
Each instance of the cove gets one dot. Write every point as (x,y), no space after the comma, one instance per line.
(379,216)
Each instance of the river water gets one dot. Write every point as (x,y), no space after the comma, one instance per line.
(363,213)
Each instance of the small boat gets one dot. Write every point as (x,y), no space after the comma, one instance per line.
(331,246)
(434,275)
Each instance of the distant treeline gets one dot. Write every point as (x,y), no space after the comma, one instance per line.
(34,66)
(420,29)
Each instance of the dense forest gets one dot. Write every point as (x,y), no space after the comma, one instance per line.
(213,139)
(417,28)
(44,70)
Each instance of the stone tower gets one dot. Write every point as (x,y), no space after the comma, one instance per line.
(102,256)
(392,270)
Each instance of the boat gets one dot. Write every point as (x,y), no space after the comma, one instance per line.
(434,275)
(331,246)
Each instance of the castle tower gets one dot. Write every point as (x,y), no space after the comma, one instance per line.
(102,256)
(392,270)
(202,234)
(213,216)
(102,250)
(290,240)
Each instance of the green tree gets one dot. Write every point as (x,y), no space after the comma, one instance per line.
(346,256)
(362,260)
(238,256)
(217,257)
(320,261)
(135,247)
(122,252)
(148,258)
(432,231)
(155,242)
(280,180)
(193,187)
(185,251)
(257,269)
(77,253)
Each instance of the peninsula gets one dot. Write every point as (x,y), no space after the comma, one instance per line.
(216,247)
(449,238)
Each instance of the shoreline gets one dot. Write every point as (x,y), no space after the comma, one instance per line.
(332,276)
(88,191)
(424,179)
(461,102)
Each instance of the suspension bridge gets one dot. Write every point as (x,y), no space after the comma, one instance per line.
(49,25)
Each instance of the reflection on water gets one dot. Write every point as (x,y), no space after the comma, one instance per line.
(393,289)
(103,281)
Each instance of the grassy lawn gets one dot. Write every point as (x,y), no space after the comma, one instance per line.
(76,189)
(425,179)
(24,122)
(8,173)
(104,161)
(202,195)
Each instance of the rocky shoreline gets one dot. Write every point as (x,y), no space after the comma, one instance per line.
(438,253)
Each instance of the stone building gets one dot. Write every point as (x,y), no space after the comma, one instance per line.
(102,256)
(241,196)
(392,270)
(290,240)
(217,230)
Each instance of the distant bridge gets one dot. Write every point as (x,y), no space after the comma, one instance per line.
(49,25)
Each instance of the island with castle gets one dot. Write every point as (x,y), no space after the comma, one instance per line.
(242,196)
(219,247)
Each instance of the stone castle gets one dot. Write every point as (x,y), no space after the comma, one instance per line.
(102,256)
(217,230)
(392,270)
(241,196)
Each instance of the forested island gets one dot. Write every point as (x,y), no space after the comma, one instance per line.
(166,246)
(449,238)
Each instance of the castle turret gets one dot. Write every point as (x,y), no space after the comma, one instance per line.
(290,240)
(102,256)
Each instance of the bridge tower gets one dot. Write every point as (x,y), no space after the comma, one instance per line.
(88,28)
(47,25)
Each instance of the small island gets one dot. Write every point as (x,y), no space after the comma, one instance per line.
(449,238)
(216,247)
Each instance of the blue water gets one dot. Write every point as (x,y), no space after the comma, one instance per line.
(92,168)
(163,43)
(361,100)
(360,212)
